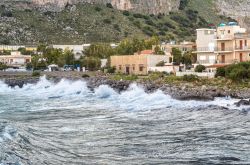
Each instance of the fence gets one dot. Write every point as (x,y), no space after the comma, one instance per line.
(203,74)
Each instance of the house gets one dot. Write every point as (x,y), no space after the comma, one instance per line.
(227,44)
(138,63)
(184,46)
(11,47)
(16,59)
(76,49)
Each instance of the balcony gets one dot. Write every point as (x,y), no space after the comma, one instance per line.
(242,48)
(224,50)
(205,50)
(224,37)
(214,50)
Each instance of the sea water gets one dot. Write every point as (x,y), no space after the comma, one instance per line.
(66,123)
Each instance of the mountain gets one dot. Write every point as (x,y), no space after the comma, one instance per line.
(79,21)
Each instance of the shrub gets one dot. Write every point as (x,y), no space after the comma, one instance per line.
(3,66)
(117,27)
(137,15)
(200,68)
(85,76)
(36,74)
(126,13)
(98,9)
(107,21)
(6,13)
(190,78)
(235,72)
(111,70)
(220,72)
(109,5)
(161,63)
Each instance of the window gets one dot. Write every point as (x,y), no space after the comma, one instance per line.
(228,31)
(202,58)
(133,67)
(120,67)
(141,68)
(208,32)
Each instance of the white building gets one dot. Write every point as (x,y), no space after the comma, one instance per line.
(15,59)
(77,49)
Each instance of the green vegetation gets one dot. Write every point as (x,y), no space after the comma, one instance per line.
(235,72)
(161,63)
(177,56)
(36,74)
(3,66)
(85,76)
(103,23)
(119,77)
(200,68)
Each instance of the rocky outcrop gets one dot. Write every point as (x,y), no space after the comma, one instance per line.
(141,6)
(238,10)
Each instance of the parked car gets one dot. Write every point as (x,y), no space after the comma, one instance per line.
(68,68)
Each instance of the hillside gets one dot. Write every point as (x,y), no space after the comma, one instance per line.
(75,23)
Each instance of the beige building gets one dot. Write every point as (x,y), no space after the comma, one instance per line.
(183,46)
(15,59)
(138,64)
(225,45)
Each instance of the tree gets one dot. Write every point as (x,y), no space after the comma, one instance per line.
(177,55)
(51,55)
(3,66)
(161,63)
(100,51)
(109,5)
(200,68)
(92,63)
(158,50)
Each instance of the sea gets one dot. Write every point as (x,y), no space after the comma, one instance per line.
(67,123)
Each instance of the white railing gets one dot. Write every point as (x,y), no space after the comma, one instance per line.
(203,74)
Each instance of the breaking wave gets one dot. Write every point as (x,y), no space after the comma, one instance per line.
(77,93)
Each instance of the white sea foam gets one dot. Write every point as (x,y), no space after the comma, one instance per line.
(68,94)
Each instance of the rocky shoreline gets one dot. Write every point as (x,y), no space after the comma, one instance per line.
(183,92)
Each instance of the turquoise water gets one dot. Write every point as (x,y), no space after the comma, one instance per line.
(66,123)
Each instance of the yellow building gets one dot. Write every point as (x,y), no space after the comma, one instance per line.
(227,44)
(138,64)
(232,44)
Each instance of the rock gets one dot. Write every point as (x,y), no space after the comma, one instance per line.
(242,102)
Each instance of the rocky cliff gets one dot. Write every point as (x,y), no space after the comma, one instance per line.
(237,9)
(141,6)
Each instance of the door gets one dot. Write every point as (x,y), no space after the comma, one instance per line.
(241,44)
(223,46)
(127,70)
(223,59)
(241,57)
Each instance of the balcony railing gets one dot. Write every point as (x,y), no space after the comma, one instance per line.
(225,37)
(214,49)
(221,49)
(242,48)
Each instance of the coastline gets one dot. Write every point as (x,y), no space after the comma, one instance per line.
(183,91)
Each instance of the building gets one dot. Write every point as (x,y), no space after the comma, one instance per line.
(138,64)
(76,49)
(184,46)
(16,59)
(206,44)
(232,44)
(11,47)
(227,44)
